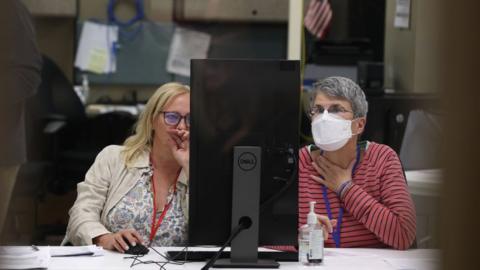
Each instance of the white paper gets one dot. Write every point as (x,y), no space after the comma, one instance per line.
(186,44)
(402,22)
(339,252)
(64,251)
(354,263)
(402,14)
(95,51)
(414,264)
(24,258)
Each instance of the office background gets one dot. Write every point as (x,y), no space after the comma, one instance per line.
(359,32)
(422,59)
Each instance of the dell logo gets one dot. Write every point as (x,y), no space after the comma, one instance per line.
(247,161)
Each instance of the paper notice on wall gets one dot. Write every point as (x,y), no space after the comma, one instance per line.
(402,14)
(186,45)
(94,51)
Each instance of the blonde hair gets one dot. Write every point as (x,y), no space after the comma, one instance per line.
(142,139)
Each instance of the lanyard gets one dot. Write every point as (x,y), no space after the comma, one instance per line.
(336,232)
(156,225)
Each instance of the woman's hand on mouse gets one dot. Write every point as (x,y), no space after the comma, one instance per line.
(118,241)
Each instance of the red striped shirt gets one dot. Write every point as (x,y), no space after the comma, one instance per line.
(379,211)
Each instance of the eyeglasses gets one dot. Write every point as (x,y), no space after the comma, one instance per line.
(333,109)
(174,118)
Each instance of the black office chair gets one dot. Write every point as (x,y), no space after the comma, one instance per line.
(61,136)
(45,113)
(62,142)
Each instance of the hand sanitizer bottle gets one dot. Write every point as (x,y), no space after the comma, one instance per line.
(310,240)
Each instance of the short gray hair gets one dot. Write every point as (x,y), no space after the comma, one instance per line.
(343,88)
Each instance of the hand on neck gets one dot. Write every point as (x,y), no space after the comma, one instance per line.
(343,156)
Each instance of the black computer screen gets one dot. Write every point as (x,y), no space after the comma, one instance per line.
(243,102)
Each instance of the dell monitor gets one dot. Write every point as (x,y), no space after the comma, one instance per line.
(244,139)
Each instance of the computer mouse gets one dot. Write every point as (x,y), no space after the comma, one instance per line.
(138,249)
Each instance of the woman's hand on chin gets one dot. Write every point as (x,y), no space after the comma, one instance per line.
(180,146)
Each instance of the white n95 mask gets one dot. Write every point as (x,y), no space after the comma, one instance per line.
(331,132)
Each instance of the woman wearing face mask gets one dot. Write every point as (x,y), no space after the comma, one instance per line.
(359,186)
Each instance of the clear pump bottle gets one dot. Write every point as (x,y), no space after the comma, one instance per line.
(310,240)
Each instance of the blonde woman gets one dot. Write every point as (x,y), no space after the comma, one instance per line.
(137,192)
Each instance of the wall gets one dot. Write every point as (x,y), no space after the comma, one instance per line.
(399,50)
(56,38)
(410,54)
(154,10)
(158,10)
(427,46)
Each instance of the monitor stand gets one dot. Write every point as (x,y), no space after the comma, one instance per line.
(246,205)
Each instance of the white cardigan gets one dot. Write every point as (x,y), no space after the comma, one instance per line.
(106,182)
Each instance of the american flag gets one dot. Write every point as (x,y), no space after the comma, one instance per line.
(318,17)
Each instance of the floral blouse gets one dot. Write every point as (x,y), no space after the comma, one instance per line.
(134,211)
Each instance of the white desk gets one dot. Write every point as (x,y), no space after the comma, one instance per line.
(424,182)
(358,259)
(425,187)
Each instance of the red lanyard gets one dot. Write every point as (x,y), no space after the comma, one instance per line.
(156,225)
